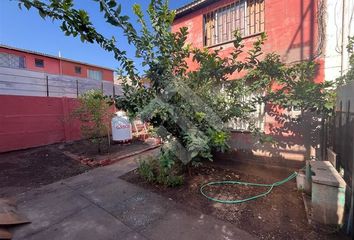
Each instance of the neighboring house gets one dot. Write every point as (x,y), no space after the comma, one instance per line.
(12,57)
(297,31)
(38,93)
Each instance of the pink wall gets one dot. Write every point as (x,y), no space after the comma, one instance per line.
(51,65)
(292,32)
(55,66)
(291,28)
(35,121)
(68,68)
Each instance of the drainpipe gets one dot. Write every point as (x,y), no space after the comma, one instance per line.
(60,65)
(342,47)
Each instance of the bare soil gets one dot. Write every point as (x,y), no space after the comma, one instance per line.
(279,215)
(23,170)
(26,169)
(87,149)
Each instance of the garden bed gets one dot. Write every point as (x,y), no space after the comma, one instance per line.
(87,153)
(27,169)
(280,215)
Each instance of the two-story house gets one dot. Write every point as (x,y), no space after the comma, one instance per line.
(296,30)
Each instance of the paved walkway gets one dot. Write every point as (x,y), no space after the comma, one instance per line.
(98,205)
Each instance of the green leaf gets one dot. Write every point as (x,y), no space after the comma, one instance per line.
(112,3)
(137,10)
(82,38)
(118,10)
(42,13)
(27,5)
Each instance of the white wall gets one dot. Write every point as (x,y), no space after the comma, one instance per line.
(336,36)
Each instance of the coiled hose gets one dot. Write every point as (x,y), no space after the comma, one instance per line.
(271,186)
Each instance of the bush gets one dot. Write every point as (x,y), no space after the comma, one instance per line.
(95,116)
(154,170)
(146,171)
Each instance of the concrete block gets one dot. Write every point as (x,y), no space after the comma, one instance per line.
(300,181)
(327,204)
(328,194)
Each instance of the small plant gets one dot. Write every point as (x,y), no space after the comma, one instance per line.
(145,170)
(161,171)
(95,116)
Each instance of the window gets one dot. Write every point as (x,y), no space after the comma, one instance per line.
(12,60)
(39,62)
(97,75)
(246,16)
(77,70)
(257,118)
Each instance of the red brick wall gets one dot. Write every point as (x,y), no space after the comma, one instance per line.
(36,121)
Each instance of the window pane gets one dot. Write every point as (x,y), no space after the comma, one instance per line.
(246,16)
(11,60)
(39,62)
(78,70)
(97,75)
(21,62)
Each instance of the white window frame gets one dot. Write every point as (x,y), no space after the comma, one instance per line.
(99,73)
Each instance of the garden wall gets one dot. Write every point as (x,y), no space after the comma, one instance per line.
(35,121)
(35,107)
(295,139)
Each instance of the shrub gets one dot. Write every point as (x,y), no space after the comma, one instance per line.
(95,116)
(145,170)
(160,171)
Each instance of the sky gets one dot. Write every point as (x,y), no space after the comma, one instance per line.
(27,30)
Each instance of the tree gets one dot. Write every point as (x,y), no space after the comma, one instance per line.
(189,108)
(94,114)
(349,76)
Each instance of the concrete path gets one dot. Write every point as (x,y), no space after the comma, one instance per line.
(98,205)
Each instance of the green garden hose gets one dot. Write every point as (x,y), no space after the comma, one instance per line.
(271,186)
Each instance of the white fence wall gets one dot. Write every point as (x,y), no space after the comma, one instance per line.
(29,83)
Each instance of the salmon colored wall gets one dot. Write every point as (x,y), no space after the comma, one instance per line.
(292,32)
(291,28)
(36,121)
(68,68)
(55,66)
(51,65)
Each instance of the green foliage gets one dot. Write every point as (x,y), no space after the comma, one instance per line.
(349,76)
(190,108)
(146,171)
(295,85)
(160,170)
(94,115)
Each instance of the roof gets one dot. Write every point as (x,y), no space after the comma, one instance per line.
(52,56)
(192,6)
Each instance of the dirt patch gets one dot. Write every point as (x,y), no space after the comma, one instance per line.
(280,215)
(86,149)
(27,169)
